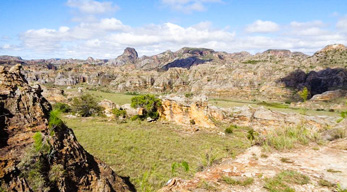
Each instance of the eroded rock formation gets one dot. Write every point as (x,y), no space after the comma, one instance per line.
(187,111)
(37,151)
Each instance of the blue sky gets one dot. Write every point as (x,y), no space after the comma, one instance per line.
(103,28)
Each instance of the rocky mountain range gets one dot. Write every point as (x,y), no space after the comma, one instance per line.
(275,75)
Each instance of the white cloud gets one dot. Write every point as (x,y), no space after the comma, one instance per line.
(316,23)
(188,6)
(109,36)
(342,24)
(92,7)
(260,26)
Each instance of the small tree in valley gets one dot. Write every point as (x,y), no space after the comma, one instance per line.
(304,94)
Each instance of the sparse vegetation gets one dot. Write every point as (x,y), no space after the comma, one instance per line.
(253,61)
(245,181)
(207,186)
(283,181)
(189,95)
(56,172)
(132,93)
(176,165)
(325,183)
(333,171)
(146,151)
(287,137)
(286,160)
(274,105)
(34,165)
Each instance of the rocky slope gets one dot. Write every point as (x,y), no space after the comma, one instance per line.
(37,151)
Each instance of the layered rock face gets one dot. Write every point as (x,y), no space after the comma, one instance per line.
(37,151)
(187,112)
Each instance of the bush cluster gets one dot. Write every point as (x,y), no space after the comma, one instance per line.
(63,107)
(149,103)
(86,106)
(119,112)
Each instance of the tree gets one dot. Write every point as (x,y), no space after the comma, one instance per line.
(86,106)
(304,94)
(149,103)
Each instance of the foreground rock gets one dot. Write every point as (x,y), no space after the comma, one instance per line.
(38,155)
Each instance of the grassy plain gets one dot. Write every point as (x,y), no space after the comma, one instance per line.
(225,103)
(146,151)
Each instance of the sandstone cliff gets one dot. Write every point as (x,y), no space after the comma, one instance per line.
(37,151)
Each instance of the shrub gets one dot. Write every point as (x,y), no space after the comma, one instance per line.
(119,112)
(132,93)
(188,95)
(86,106)
(304,93)
(149,103)
(192,122)
(63,107)
(229,130)
(54,120)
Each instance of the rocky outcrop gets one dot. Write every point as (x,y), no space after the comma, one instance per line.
(334,47)
(129,56)
(37,151)
(329,95)
(264,120)
(183,111)
(108,106)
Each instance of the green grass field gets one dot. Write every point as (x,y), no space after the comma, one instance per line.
(226,103)
(118,98)
(146,151)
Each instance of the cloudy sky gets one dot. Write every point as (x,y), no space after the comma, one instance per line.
(103,28)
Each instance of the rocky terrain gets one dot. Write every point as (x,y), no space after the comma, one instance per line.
(202,71)
(38,152)
(317,165)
